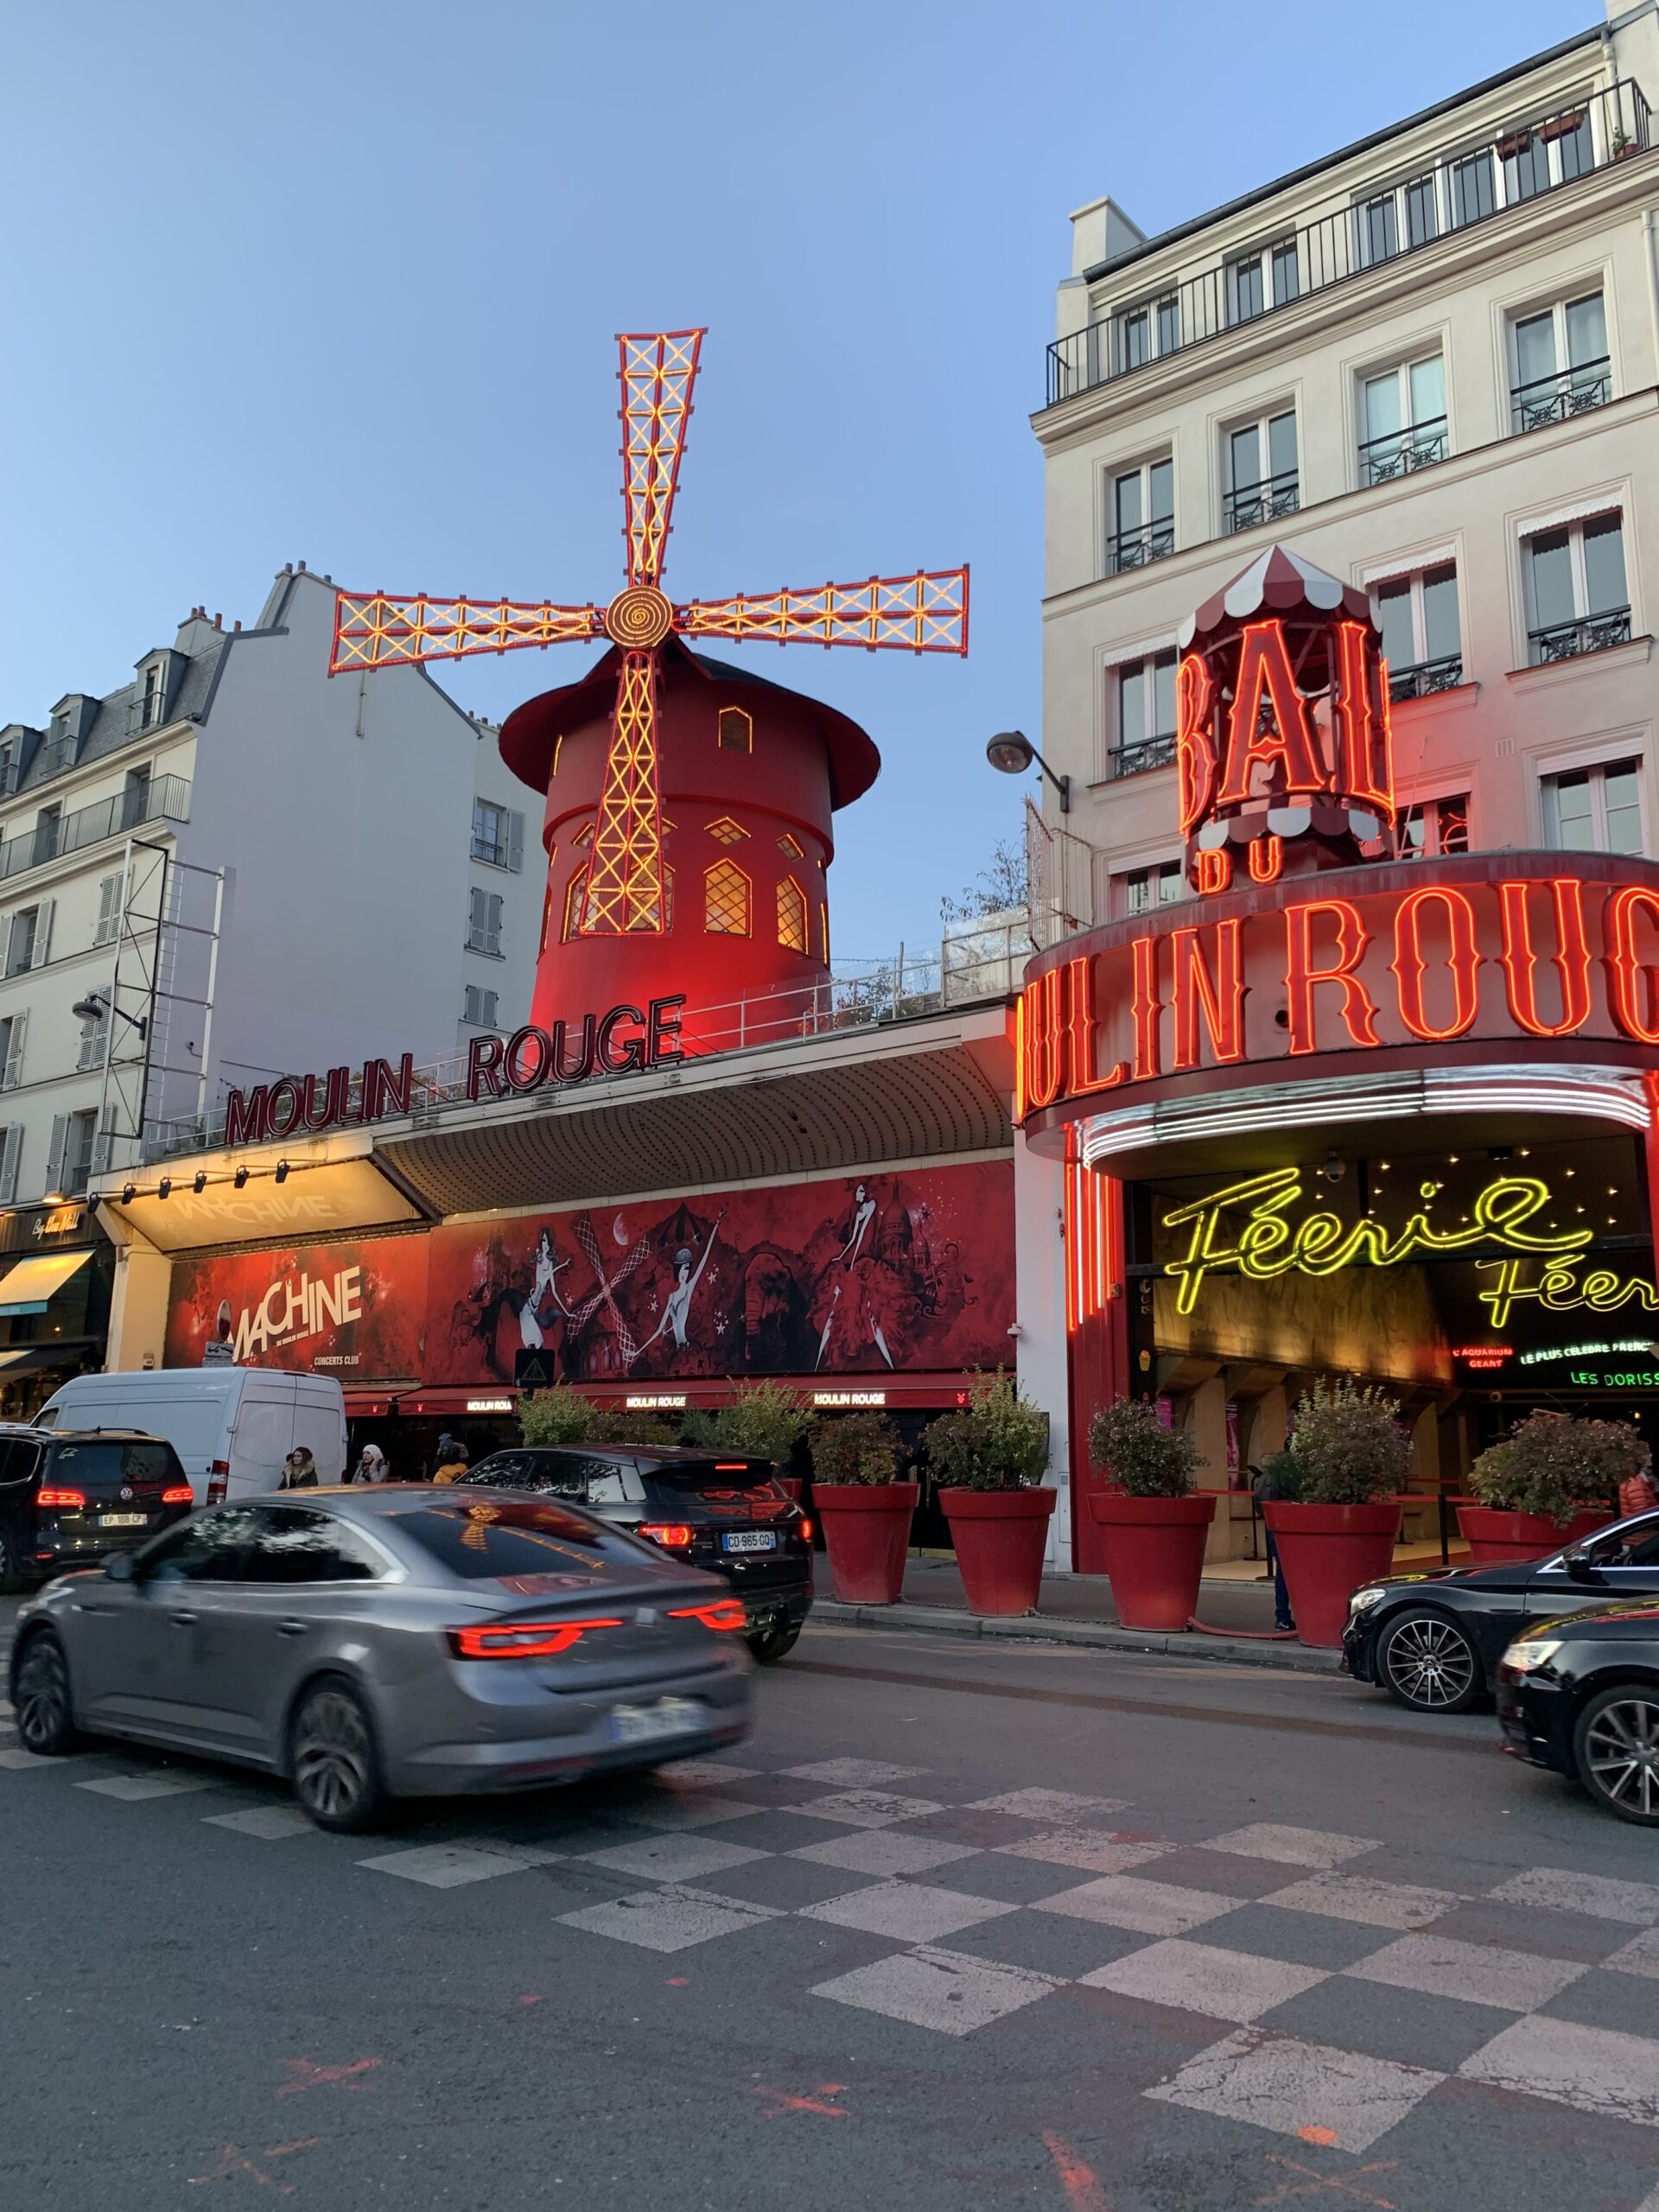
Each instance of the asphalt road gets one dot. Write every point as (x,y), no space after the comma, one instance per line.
(1274,1942)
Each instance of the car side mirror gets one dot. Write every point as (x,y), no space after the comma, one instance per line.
(1579,1565)
(118,1566)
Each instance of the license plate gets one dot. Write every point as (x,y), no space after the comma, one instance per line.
(643,1724)
(750,1540)
(122,1520)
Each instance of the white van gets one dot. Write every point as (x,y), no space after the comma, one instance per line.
(232,1427)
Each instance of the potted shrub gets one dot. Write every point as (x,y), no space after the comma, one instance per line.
(1346,1461)
(764,1420)
(862,1507)
(1153,1524)
(1550,1483)
(560,1416)
(989,1461)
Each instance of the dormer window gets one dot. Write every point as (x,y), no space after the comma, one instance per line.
(736,731)
(149,711)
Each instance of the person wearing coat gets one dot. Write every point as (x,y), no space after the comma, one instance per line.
(371,1465)
(299,1470)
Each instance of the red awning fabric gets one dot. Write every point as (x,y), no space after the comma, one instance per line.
(368,1405)
(481,1399)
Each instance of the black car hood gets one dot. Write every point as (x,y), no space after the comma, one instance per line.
(1616,1617)
(1468,1578)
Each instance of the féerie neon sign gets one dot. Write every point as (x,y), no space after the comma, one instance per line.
(1266,1245)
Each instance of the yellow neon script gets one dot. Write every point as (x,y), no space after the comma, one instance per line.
(1268,1245)
(1558,1290)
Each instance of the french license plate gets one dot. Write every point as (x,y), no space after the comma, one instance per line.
(643,1724)
(750,1540)
(122,1520)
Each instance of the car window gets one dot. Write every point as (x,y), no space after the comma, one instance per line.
(609,1485)
(532,1537)
(549,1474)
(107,1467)
(508,1467)
(1637,1545)
(19,1462)
(208,1549)
(751,1479)
(292,1544)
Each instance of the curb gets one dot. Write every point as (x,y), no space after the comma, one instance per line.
(1088,1636)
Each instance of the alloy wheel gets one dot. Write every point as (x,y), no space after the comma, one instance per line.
(1619,1757)
(333,1759)
(45,1722)
(1429,1664)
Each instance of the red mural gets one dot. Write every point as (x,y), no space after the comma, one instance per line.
(356,1311)
(865,1275)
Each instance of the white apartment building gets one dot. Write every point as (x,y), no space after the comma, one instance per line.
(1430,365)
(272,871)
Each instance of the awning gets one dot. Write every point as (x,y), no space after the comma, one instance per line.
(368,1405)
(41,1359)
(475,1402)
(32,1282)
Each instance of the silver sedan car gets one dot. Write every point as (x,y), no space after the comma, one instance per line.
(399,1641)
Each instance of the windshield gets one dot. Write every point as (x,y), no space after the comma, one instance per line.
(108,1466)
(751,1479)
(482,1542)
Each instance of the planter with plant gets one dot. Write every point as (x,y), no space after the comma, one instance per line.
(1345,1462)
(1550,1483)
(989,1461)
(764,1420)
(862,1507)
(558,1415)
(1153,1525)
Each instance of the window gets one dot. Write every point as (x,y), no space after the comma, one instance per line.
(1252,496)
(9,766)
(482,1542)
(1577,598)
(94,1038)
(1422,639)
(736,731)
(1562,366)
(1169,324)
(573,891)
(1550,153)
(484,924)
(1380,228)
(11,1152)
(1432,826)
(1422,208)
(1142,517)
(73,1136)
(208,1548)
(135,798)
(1143,714)
(1267,274)
(497,835)
(11,1051)
(478,1007)
(30,942)
(724,831)
(726,901)
(109,911)
(1402,419)
(791,916)
(1135,329)
(1595,809)
(1473,194)
(48,828)
(792,846)
(1144,888)
(149,710)
(289,1544)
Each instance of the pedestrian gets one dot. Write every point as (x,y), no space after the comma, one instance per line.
(299,1470)
(371,1466)
(1268,1484)
(1636,1494)
(452,1460)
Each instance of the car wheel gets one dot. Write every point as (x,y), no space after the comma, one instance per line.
(46,1714)
(1616,1750)
(775,1644)
(11,1575)
(1428,1664)
(333,1762)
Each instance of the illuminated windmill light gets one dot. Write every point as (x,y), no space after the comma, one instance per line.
(624,894)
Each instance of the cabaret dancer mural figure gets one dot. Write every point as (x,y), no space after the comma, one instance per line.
(677,1306)
(534,1316)
(854,1295)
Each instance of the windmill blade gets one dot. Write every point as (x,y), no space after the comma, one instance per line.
(624,891)
(372,631)
(658,369)
(924,613)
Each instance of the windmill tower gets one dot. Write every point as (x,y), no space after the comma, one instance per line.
(687,811)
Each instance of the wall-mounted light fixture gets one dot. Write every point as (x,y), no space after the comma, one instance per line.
(201,1183)
(165,1188)
(239,1181)
(95,1006)
(1012,752)
(282,1171)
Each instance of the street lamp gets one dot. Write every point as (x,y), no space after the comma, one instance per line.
(94,1007)
(1012,752)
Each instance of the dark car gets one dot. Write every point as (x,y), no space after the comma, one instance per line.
(1582,1695)
(730,1514)
(68,1497)
(1434,1640)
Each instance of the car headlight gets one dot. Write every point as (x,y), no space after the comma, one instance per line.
(1362,1600)
(1531,1652)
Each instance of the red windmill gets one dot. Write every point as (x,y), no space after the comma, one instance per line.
(599,747)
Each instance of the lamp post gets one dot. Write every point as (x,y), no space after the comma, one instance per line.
(1012,752)
(94,1007)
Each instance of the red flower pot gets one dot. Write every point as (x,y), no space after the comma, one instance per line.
(1154,1554)
(791,1486)
(1327,1551)
(866,1530)
(1494,1535)
(1000,1536)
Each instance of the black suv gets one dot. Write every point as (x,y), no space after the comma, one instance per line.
(70,1497)
(731,1515)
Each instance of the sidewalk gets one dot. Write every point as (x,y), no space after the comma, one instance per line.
(1077,1609)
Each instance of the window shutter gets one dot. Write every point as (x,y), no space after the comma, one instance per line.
(104,1144)
(109,910)
(11,1152)
(43,932)
(478,920)
(12,1072)
(493,933)
(57,1160)
(490,1000)
(516,843)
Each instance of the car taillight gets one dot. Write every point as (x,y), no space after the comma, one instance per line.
(219,1477)
(719,1613)
(178,1494)
(62,1499)
(731,1467)
(806,1530)
(521,1639)
(673,1536)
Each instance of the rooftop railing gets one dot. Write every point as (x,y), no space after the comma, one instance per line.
(163,798)
(1453,190)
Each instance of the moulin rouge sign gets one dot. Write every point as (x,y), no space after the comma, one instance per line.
(628,1037)
(1315,939)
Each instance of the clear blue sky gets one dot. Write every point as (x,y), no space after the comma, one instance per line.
(340,282)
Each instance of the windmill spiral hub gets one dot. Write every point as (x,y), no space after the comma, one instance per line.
(640,617)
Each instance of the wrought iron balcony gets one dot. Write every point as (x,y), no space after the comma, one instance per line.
(1249,504)
(165,798)
(1592,633)
(1396,454)
(1135,548)
(1145,752)
(1557,399)
(1422,678)
(1455,186)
